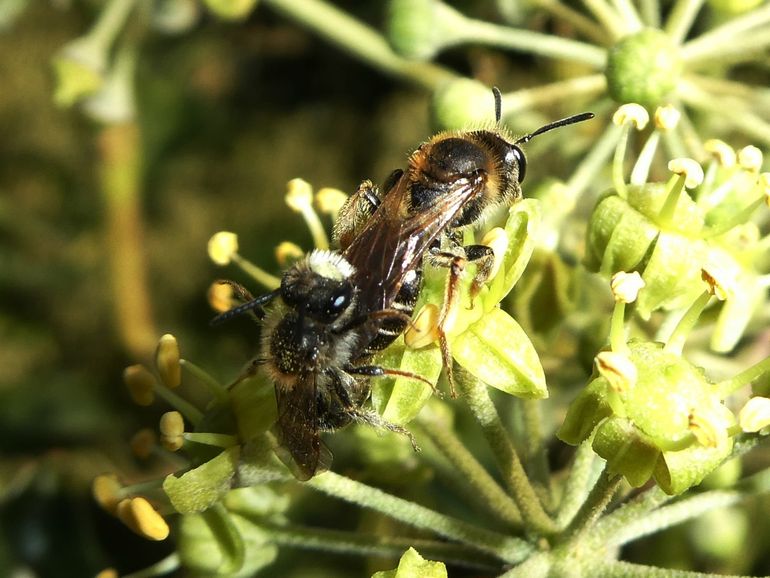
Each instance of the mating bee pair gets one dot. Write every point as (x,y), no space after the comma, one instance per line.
(334,310)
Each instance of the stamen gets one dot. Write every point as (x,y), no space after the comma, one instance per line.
(667,118)
(617,369)
(626,286)
(755,415)
(222,246)
(143,443)
(140,383)
(750,158)
(299,198)
(221,297)
(288,253)
(167,361)
(172,430)
(106,490)
(626,116)
(330,201)
(424,329)
(142,518)
(721,151)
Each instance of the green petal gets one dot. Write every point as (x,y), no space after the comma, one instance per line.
(497,351)
(679,471)
(400,400)
(627,451)
(200,488)
(588,409)
(412,565)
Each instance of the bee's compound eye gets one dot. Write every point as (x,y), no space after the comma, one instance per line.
(517,156)
(336,303)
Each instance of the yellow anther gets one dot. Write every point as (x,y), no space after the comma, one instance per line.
(617,369)
(691,170)
(424,329)
(288,253)
(167,361)
(497,240)
(140,383)
(106,491)
(717,280)
(172,430)
(755,415)
(667,117)
(299,195)
(723,152)
(143,442)
(706,429)
(142,518)
(107,573)
(222,246)
(631,113)
(221,297)
(750,158)
(330,201)
(626,286)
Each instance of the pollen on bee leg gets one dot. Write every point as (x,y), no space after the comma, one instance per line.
(140,383)
(142,518)
(172,430)
(424,329)
(221,297)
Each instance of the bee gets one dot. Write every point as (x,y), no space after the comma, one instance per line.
(334,310)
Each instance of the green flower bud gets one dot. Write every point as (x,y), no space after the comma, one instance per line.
(413,565)
(462,103)
(669,424)
(231,9)
(419,29)
(644,67)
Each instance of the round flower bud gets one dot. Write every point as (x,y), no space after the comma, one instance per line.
(644,67)
(222,246)
(418,29)
(461,103)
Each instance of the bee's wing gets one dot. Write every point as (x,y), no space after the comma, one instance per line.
(397,235)
(300,446)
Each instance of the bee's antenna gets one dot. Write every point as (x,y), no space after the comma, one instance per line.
(498,104)
(246,307)
(556,124)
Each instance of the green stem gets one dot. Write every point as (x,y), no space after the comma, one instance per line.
(188,410)
(360,544)
(594,162)
(165,566)
(563,90)
(641,169)
(690,135)
(211,439)
(665,517)
(678,337)
(119,167)
(537,452)
(712,43)
(681,19)
(607,17)
(597,501)
(359,40)
(728,386)
(650,11)
(576,486)
(674,189)
(506,548)
(629,15)
(748,48)
(742,216)
(536,566)
(492,495)
(257,273)
(579,21)
(478,31)
(618,179)
(628,570)
(214,387)
(111,21)
(477,397)
(628,513)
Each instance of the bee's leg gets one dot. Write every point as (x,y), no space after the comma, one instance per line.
(248,372)
(250,305)
(374,419)
(379,371)
(484,258)
(354,213)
